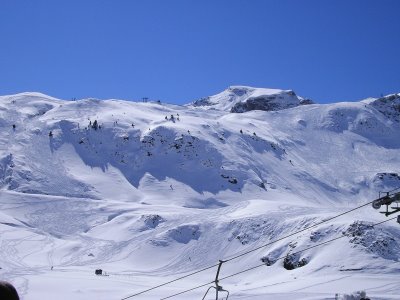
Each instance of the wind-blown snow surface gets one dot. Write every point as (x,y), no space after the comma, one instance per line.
(149,192)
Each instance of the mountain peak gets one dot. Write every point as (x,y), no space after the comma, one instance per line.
(240,99)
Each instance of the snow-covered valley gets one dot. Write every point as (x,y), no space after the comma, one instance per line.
(149,192)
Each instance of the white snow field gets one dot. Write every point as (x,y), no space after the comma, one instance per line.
(150,192)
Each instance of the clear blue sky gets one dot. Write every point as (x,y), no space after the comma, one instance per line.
(181,50)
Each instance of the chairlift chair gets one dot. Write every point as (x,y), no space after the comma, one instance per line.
(388,199)
(217,287)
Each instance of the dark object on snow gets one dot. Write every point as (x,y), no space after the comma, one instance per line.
(233,180)
(98,272)
(95,125)
(292,262)
(50,133)
(8,291)
(267,261)
(14,126)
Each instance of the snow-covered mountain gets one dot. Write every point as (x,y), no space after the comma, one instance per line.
(241,99)
(151,191)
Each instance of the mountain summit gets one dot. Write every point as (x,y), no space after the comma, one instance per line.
(240,99)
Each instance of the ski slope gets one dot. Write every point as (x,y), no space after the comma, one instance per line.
(149,192)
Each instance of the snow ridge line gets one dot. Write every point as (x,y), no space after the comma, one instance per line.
(250,251)
(279,258)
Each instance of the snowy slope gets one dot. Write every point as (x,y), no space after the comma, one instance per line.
(150,191)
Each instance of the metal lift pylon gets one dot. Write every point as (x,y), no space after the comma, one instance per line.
(217,287)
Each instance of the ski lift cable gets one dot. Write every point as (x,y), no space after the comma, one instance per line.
(296,232)
(257,266)
(189,290)
(305,249)
(261,265)
(171,281)
(398,188)
(250,251)
(297,252)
